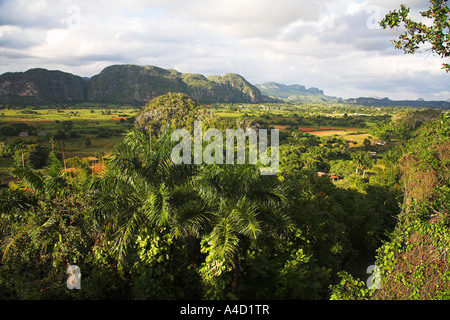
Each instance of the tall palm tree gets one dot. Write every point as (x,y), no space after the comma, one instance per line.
(144,188)
(242,205)
(362,160)
(225,204)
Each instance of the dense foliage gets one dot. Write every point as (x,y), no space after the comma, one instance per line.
(174,109)
(414,261)
(146,228)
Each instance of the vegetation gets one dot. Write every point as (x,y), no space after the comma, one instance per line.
(145,228)
(413,261)
(173,109)
(432,35)
(122,84)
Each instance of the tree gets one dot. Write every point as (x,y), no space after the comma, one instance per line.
(417,34)
(52,141)
(138,191)
(29,155)
(241,206)
(367,144)
(87,142)
(43,228)
(362,160)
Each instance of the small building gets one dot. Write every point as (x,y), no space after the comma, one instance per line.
(23,134)
(333,177)
(381,143)
(41,134)
(372,154)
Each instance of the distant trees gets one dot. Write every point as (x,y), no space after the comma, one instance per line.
(404,124)
(26,154)
(367,144)
(16,128)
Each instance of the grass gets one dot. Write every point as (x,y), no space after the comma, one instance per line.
(86,123)
(327,133)
(302,118)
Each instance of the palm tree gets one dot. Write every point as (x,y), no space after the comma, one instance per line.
(242,205)
(224,205)
(49,182)
(52,141)
(144,188)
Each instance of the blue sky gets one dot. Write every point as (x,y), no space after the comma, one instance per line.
(334,45)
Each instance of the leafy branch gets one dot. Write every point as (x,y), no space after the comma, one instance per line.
(417,34)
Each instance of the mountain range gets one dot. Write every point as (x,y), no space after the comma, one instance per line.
(298,93)
(123,84)
(137,85)
(294,93)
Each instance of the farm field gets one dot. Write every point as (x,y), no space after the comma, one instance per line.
(82,123)
(81,131)
(93,131)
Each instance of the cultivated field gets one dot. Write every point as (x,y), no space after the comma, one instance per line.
(88,130)
(93,131)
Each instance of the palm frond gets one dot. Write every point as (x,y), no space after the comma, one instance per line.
(125,235)
(157,206)
(246,215)
(224,239)
(32,178)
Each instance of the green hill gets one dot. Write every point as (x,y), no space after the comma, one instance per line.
(41,86)
(125,84)
(132,84)
(294,93)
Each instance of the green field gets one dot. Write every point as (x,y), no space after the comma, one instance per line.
(94,130)
(85,125)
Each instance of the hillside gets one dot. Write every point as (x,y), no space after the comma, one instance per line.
(126,84)
(137,85)
(294,93)
(41,86)
(299,93)
(132,84)
(386,102)
(175,109)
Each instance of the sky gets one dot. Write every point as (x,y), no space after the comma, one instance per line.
(333,45)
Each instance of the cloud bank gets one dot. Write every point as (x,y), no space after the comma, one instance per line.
(335,45)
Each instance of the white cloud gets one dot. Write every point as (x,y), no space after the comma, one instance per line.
(335,45)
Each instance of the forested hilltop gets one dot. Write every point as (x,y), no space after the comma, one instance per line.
(145,228)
